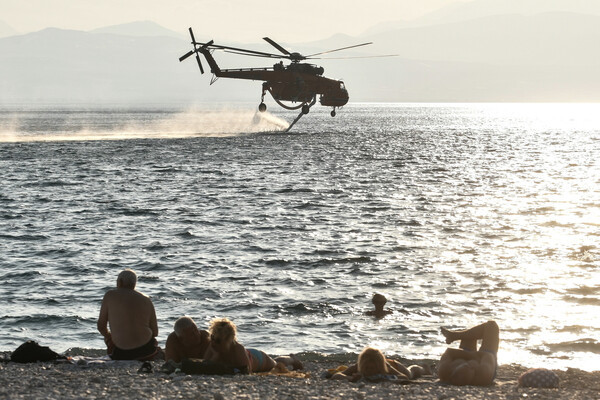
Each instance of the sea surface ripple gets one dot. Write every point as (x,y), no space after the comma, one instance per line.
(457,213)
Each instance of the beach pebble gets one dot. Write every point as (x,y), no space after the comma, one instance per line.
(218,396)
(538,378)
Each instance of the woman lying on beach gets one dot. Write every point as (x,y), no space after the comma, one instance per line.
(224,348)
(467,365)
(373,366)
(262,362)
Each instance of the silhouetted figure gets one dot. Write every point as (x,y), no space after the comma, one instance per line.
(467,365)
(373,366)
(132,320)
(379,301)
(186,341)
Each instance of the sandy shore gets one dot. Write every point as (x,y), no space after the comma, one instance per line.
(122,380)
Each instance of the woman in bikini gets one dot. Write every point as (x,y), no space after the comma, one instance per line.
(373,366)
(224,348)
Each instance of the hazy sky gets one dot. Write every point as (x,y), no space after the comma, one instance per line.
(301,20)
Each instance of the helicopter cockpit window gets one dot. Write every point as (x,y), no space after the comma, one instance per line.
(342,85)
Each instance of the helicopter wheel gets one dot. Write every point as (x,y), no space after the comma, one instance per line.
(332,113)
(262,107)
(305,109)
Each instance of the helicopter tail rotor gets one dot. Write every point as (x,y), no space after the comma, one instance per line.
(196,49)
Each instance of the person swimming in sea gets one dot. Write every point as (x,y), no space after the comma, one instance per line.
(379,301)
(468,365)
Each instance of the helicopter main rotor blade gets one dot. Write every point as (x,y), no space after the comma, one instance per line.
(342,48)
(265,55)
(277,46)
(244,51)
(345,58)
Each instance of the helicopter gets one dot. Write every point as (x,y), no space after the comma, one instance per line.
(297,82)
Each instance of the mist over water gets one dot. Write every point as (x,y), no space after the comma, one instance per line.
(457,213)
(66,123)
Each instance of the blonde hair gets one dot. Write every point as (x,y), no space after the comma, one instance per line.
(223,329)
(372,362)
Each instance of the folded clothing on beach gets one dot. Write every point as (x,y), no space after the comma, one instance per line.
(87,361)
(205,367)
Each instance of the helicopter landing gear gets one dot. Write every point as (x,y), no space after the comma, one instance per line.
(305,109)
(262,107)
(332,112)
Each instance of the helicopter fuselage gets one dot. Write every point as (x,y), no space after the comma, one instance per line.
(296,82)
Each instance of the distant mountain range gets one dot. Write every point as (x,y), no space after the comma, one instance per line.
(6,30)
(139,29)
(549,56)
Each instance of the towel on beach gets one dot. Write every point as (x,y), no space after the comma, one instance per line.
(289,374)
(85,361)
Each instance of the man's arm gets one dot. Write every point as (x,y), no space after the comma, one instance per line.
(211,354)
(153,321)
(103,320)
(241,357)
(173,348)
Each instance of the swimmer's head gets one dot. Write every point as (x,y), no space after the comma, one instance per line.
(371,362)
(379,299)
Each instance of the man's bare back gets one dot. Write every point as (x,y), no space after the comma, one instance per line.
(130,315)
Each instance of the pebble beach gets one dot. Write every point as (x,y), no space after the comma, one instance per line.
(123,380)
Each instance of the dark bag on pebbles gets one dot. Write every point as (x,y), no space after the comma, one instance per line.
(30,352)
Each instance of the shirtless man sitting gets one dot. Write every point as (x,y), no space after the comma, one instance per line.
(187,341)
(132,320)
(467,365)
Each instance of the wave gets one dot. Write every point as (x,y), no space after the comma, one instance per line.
(584,290)
(586,345)
(156,246)
(26,238)
(592,301)
(45,319)
(346,260)
(294,190)
(533,290)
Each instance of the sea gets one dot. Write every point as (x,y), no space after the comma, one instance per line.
(457,213)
